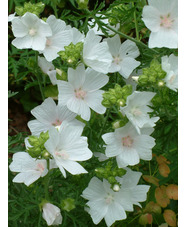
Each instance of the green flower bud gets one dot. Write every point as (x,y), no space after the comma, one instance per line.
(82,4)
(36,9)
(112,180)
(143,80)
(113,99)
(61,75)
(68,204)
(152,79)
(121,172)
(106,103)
(121,102)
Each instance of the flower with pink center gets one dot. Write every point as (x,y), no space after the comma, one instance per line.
(161,17)
(128,146)
(59,38)
(103,202)
(67,147)
(81,92)
(30,32)
(123,56)
(30,169)
(137,109)
(49,115)
(127,141)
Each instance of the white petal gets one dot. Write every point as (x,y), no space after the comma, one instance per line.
(38,42)
(80,107)
(151,18)
(22,161)
(114,212)
(95,190)
(18,28)
(94,80)
(73,167)
(129,156)
(76,77)
(127,65)
(114,68)
(36,127)
(163,38)
(52,76)
(45,65)
(139,193)
(94,99)
(66,92)
(114,45)
(57,25)
(22,43)
(46,112)
(130,179)
(129,49)
(99,212)
(27,177)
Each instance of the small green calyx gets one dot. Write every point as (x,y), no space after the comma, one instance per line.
(110,173)
(153,75)
(117,95)
(36,9)
(82,4)
(68,204)
(120,123)
(37,149)
(72,54)
(61,74)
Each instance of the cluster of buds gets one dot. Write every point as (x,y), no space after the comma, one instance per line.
(37,148)
(117,95)
(36,9)
(110,173)
(152,76)
(72,54)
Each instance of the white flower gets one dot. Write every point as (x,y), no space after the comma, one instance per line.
(128,146)
(67,146)
(123,56)
(49,115)
(30,32)
(96,55)
(81,92)
(48,68)
(51,214)
(170,66)
(111,205)
(60,37)
(101,157)
(30,169)
(161,17)
(136,109)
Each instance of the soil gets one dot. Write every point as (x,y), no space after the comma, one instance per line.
(18,119)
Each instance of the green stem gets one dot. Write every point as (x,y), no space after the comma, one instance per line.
(104,123)
(125,36)
(149,169)
(39,78)
(136,23)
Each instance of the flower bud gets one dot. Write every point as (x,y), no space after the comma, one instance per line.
(68,204)
(51,214)
(82,4)
(116,188)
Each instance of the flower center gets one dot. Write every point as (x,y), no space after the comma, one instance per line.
(172,79)
(48,42)
(127,141)
(166,21)
(136,112)
(40,167)
(109,199)
(32,32)
(117,60)
(80,94)
(57,123)
(62,154)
